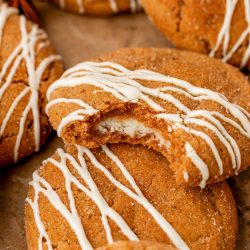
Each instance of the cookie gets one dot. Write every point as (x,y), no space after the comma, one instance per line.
(84,199)
(219,28)
(136,245)
(99,7)
(191,108)
(28,65)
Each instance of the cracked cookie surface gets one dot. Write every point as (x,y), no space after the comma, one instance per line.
(191,108)
(218,28)
(28,65)
(86,198)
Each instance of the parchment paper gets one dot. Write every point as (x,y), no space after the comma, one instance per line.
(78,38)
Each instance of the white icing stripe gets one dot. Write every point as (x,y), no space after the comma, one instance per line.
(97,74)
(40,185)
(5,13)
(73,101)
(80,6)
(224,34)
(220,132)
(40,227)
(231,122)
(209,141)
(201,165)
(12,72)
(223,139)
(100,201)
(12,108)
(235,154)
(186,176)
(134,5)
(24,51)
(246,56)
(124,85)
(109,211)
(113,6)
(140,198)
(244,111)
(77,115)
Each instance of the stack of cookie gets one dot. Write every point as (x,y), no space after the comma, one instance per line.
(150,137)
(109,185)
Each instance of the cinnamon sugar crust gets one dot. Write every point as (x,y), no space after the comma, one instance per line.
(28,66)
(191,108)
(85,198)
(218,28)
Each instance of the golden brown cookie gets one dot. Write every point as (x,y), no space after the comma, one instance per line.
(137,245)
(99,7)
(219,28)
(83,199)
(28,65)
(191,108)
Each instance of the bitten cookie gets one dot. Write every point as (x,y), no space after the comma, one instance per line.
(28,65)
(219,28)
(99,7)
(191,108)
(140,245)
(83,199)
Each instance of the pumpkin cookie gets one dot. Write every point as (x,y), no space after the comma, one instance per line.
(28,65)
(191,108)
(219,28)
(83,199)
(136,245)
(99,7)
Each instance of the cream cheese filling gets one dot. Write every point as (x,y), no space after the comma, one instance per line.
(132,128)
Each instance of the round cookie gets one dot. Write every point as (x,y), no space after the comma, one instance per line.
(99,7)
(137,245)
(182,104)
(219,28)
(28,65)
(84,199)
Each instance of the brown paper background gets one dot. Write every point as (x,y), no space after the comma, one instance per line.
(78,38)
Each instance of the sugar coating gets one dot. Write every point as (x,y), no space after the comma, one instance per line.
(83,198)
(27,68)
(220,28)
(206,126)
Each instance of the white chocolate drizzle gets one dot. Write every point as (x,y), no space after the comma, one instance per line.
(201,165)
(223,38)
(134,5)
(24,52)
(124,85)
(71,215)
